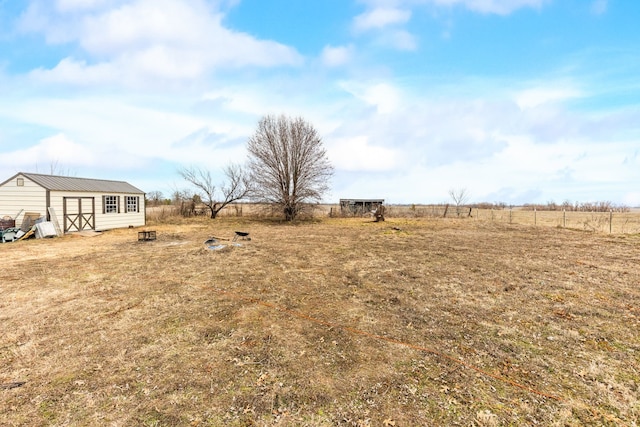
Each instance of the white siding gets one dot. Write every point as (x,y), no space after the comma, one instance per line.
(103,221)
(30,197)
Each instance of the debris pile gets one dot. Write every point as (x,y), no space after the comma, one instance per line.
(33,225)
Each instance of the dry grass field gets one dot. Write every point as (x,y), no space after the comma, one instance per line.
(598,222)
(331,322)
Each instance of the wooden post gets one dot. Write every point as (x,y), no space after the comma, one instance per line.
(564,218)
(535,216)
(610,219)
(510,215)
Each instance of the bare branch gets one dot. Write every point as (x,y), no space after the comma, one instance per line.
(235,188)
(460,196)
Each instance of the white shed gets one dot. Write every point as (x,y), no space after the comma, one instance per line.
(79,203)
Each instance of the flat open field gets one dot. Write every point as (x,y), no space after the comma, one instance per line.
(333,322)
(598,222)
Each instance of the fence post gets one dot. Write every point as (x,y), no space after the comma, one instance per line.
(564,218)
(510,214)
(610,219)
(535,216)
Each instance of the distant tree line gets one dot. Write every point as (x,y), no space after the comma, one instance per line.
(552,206)
(604,206)
(487,205)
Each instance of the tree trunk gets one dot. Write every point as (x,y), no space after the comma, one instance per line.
(289,213)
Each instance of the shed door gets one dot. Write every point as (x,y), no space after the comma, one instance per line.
(79,213)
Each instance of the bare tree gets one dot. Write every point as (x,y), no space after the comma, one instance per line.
(154,198)
(185,200)
(460,196)
(235,188)
(56,169)
(178,196)
(288,164)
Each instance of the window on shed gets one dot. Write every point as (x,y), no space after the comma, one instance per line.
(20,182)
(133,204)
(110,204)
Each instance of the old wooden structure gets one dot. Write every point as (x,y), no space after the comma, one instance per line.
(359,207)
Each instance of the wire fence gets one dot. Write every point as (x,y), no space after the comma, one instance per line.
(599,222)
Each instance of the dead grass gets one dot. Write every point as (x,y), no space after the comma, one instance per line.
(331,322)
(596,222)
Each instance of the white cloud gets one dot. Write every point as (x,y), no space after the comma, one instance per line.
(499,7)
(54,150)
(385,97)
(72,5)
(147,22)
(78,72)
(478,138)
(139,131)
(357,154)
(386,21)
(535,97)
(335,56)
(381,17)
(387,17)
(148,39)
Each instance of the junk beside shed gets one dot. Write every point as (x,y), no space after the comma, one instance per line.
(33,224)
(45,229)
(7,222)
(8,229)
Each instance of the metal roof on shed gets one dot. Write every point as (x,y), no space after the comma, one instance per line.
(68,183)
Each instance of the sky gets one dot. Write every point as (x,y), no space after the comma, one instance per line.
(514,101)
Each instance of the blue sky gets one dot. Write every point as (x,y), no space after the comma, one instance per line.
(517,101)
